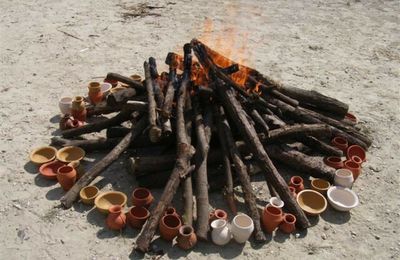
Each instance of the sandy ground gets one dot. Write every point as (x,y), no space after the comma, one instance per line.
(347,49)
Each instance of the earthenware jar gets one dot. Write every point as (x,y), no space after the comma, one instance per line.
(169,227)
(88,194)
(271,218)
(334,162)
(65,121)
(66,176)
(276,202)
(220,234)
(288,224)
(80,171)
(297,183)
(340,143)
(95,94)
(351,117)
(293,191)
(242,227)
(170,211)
(356,150)
(113,82)
(186,237)
(353,167)
(218,214)
(116,219)
(142,197)
(137,216)
(65,104)
(78,110)
(343,178)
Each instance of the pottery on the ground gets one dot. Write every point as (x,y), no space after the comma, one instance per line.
(334,162)
(142,197)
(137,216)
(293,191)
(136,77)
(220,234)
(113,82)
(78,109)
(116,219)
(65,105)
(218,214)
(187,239)
(311,202)
(288,224)
(320,185)
(342,199)
(276,202)
(105,88)
(169,227)
(353,167)
(242,227)
(88,194)
(297,183)
(356,159)
(170,211)
(351,117)
(66,176)
(105,200)
(271,218)
(356,150)
(70,153)
(73,123)
(343,178)
(340,142)
(43,155)
(49,170)
(80,171)
(95,93)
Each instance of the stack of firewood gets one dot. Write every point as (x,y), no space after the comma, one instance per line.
(204,117)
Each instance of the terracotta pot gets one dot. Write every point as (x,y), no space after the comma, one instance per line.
(170,211)
(293,191)
(271,218)
(334,162)
(80,171)
(49,170)
(116,219)
(276,202)
(137,216)
(297,183)
(95,94)
(242,227)
(66,176)
(353,167)
(142,197)
(78,110)
(351,117)
(340,143)
(356,150)
(357,159)
(218,214)
(343,178)
(88,194)
(105,88)
(169,227)
(187,239)
(220,234)
(320,185)
(73,123)
(65,104)
(288,224)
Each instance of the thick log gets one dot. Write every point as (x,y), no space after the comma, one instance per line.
(273,121)
(316,144)
(68,199)
(297,130)
(259,121)
(120,97)
(134,84)
(155,130)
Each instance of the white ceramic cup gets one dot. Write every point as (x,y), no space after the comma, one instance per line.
(344,178)
(65,104)
(242,227)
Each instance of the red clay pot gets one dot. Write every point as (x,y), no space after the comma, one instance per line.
(66,176)
(334,161)
(170,211)
(169,227)
(353,167)
(64,121)
(137,216)
(78,109)
(297,183)
(271,218)
(293,191)
(351,117)
(95,94)
(340,143)
(113,83)
(218,214)
(356,150)
(288,224)
(142,197)
(116,219)
(49,170)
(187,239)
(357,159)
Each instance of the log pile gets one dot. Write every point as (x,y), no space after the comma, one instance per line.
(205,116)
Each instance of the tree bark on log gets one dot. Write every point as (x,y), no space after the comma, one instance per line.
(320,146)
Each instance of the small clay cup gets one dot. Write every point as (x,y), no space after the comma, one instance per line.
(95,93)
(320,185)
(136,77)
(288,224)
(334,162)
(66,176)
(88,194)
(116,219)
(340,143)
(357,159)
(356,150)
(297,182)
(137,216)
(218,214)
(187,239)
(293,191)
(169,227)
(353,167)
(142,197)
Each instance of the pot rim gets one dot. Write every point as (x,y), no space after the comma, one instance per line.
(277,202)
(182,230)
(274,208)
(65,100)
(83,193)
(340,173)
(315,184)
(296,180)
(171,216)
(242,216)
(216,223)
(289,215)
(141,189)
(139,207)
(338,203)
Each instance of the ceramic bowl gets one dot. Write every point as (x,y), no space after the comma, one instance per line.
(342,199)
(105,200)
(65,104)
(88,194)
(136,77)
(356,150)
(311,202)
(49,170)
(70,153)
(105,88)
(43,155)
(320,185)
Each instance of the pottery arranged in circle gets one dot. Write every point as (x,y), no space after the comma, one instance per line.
(340,142)
(187,239)
(242,227)
(311,202)
(218,214)
(220,234)
(116,219)
(271,218)
(355,168)
(95,93)
(105,200)
(78,109)
(343,178)
(142,197)
(334,162)
(105,88)
(49,170)
(137,216)
(43,155)
(169,227)
(297,183)
(288,224)
(88,194)
(70,153)
(320,185)
(66,176)
(356,150)
(65,104)
(342,199)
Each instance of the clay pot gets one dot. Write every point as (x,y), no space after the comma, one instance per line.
(187,239)
(64,121)
(353,167)
(276,202)
(78,168)
(242,227)
(218,214)
(65,104)
(351,117)
(95,94)
(137,216)
(356,159)
(271,218)
(73,123)
(297,183)
(293,191)
(66,176)
(343,178)
(220,234)
(49,170)
(342,199)
(88,194)
(356,150)
(136,77)
(113,82)
(169,227)
(107,199)
(320,185)
(334,162)
(340,143)
(105,88)
(116,219)
(142,197)
(78,109)
(70,153)
(288,224)
(311,202)
(43,155)
(170,211)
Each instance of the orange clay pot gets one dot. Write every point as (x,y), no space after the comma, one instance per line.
(293,191)
(142,197)
(340,143)
(171,211)
(288,224)
(66,176)
(334,162)
(357,159)
(186,237)
(116,219)
(353,167)
(78,110)
(169,227)
(137,216)
(271,218)
(218,214)
(95,94)
(297,183)
(356,150)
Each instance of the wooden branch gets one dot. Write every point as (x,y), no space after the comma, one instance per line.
(259,121)
(294,131)
(187,181)
(120,97)
(320,146)
(159,96)
(137,85)
(169,95)
(155,131)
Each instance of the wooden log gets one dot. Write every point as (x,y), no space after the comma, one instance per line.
(132,83)
(259,121)
(68,199)
(316,144)
(158,95)
(117,131)
(120,97)
(273,121)
(294,131)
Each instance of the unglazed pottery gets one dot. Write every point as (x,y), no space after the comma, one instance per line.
(116,219)
(343,178)
(320,185)
(288,224)
(297,183)
(65,105)
(218,214)
(340,142)
(78,167)
(220,234)
(334,162)
(105,88)
(242,227)
(105,200)
(271,218)
(78,109)
(70,153)
(49,170)
(293,191)
(311,202)
(66,176)
(169,227)
(95,93)
(170,211)
(187,239)
(353,167)
(43,155)
(88,194)
(351,117)
(356,150)
(136,77)
(356,159)
(137,216)
(142,197)
(276,202)
(342,199)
